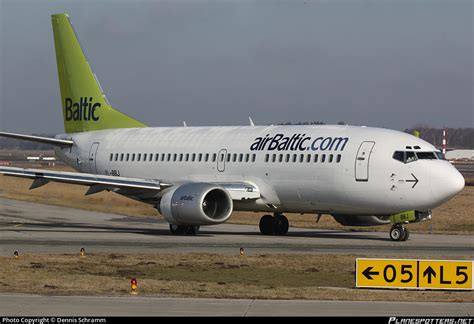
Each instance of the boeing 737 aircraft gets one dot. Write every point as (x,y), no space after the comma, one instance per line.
(198,175)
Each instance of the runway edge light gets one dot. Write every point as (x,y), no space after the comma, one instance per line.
(134,286)
(241,252)
(15,254)
(83,252)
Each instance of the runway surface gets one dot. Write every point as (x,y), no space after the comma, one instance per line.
(32,305)
(36,228)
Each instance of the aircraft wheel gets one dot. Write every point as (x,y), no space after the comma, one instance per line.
(192,230)
(266,225)
(177,229)
(397,233)
(281,225)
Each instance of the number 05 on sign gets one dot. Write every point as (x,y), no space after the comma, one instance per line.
(414,274)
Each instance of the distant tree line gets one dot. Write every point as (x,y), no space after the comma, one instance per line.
(456,137)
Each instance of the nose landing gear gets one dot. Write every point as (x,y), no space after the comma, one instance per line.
(398,232)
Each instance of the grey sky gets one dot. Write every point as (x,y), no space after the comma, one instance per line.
(377,63)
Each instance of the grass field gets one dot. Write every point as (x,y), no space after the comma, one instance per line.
(454,217)
(299,276)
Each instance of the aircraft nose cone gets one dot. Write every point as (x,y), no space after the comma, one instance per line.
(456,183)
(447,184)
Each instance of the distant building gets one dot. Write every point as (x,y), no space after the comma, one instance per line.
(460,155)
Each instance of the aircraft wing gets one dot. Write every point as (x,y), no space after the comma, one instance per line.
(42,177)
(98,183)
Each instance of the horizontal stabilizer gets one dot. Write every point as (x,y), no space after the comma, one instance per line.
(39,139)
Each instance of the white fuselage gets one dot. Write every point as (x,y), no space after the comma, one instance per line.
(354,171)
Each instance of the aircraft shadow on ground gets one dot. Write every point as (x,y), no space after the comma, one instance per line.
(207,232)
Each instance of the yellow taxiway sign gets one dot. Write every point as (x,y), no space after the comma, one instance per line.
(414,274)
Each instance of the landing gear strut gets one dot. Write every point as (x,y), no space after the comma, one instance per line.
(274,225)
(184,229)
(398,232)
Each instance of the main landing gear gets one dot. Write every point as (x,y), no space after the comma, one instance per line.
(274,225)
(184,229)
(398,232)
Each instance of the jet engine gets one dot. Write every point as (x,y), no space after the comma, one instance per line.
(196,203)
(358,220)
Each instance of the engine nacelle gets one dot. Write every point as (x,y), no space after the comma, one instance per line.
(358,220)
(196,203)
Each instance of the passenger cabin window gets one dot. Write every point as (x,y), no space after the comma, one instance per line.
(207,157)
(111,156)
(214,157)
(338,158)
(144,157)
(128,156)
(139,157)
(331,157)
(247,157)
(133,157)
(254,156)
(121,157)
(323,158)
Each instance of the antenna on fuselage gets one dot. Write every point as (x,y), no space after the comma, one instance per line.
(184,124)
(251,121)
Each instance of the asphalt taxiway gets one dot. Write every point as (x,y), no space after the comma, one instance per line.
(33,305)
(36,228)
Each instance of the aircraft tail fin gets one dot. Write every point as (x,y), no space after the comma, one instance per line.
(85,107)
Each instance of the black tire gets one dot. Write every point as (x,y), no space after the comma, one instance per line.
(177,229)
(281,225)
(191,230)
(407,234)
(397,233)
(266,225)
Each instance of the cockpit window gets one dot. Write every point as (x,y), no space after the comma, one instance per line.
(399,156)
(410,157)
(426,155)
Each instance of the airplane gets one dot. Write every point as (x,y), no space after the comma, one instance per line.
(196,176)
